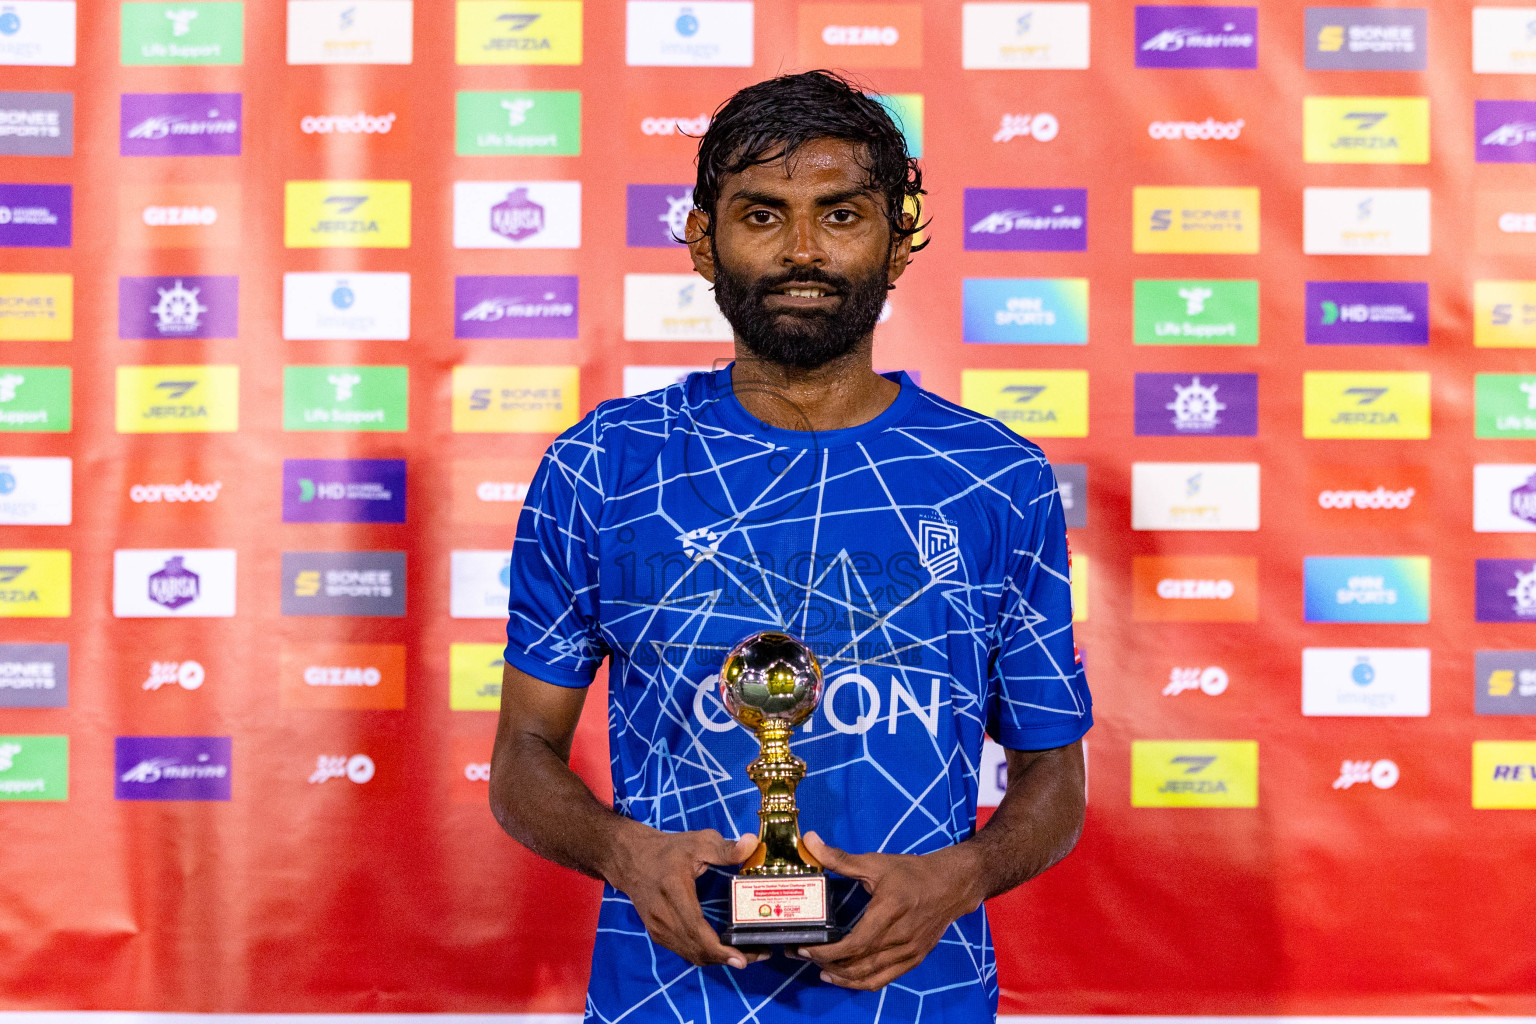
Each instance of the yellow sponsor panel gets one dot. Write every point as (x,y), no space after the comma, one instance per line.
(1079,588)
(1036,403)
(37,307)
(518,32)
(1504,314)
(1195,220)
(1365,129)
(515,399)
(347,214)
(34,583)
(1194,773)
(1365,405)
(1503,774)
(474,677)
(178,399)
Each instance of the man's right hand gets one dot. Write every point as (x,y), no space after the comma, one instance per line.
(656,870)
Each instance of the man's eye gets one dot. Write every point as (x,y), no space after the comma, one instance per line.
(843,216)
(760,217)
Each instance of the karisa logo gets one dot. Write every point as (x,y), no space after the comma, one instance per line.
(1040,127)
(1195,406)
(1211,681)
(174,585)
(517,217)
(178,311)
(188,675)
(1209,129)
(1382,774)
(181,19)
(358,769)
(360,123)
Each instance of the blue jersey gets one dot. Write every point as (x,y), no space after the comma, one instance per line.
(922,556)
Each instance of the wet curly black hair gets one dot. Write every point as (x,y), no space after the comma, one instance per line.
(771,120)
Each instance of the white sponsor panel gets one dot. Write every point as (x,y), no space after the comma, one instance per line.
(38,33)
(672,307)
(1195,496)
(35,491)
(517,215)
(349,31)
(640,379)
(705,33)
(173,583)
(479,584)
(1502,40)
(1384,682)
(993,775)
(357,306)
(1365,221)
(1503,498)
(1024,36)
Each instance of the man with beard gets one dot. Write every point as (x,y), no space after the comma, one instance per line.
(919,548)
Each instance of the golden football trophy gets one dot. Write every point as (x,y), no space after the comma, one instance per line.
(770,683)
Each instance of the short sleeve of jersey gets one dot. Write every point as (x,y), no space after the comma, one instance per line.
(552,624)
(1040,693)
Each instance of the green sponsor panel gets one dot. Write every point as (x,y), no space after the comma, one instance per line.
(183,33)
(35,399)
(1178,312)
(344,398)
(519,123)
(1506,405)
(34,767)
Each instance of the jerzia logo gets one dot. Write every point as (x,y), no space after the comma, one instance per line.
(1212,773)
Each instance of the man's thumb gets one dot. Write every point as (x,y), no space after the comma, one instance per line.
(842,862)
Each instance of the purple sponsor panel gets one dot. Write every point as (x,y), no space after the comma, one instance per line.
(36,215)
(343,490)
(515,307)
(180,124)
(1506,590)
(1026,219)
(1197,37)
(1197,404)
(656,215)
(184,306)
(1505,131)
(173,767)
(1367,313)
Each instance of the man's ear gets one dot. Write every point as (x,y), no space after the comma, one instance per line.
(701,245)
(901,252)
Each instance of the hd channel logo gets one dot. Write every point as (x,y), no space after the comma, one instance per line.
(1035,403)
(1194,588)
(1365,406)
(36,491)
(1365,682)
(37,123)
(1031,36)
(515,307)
(347,214)
(1194,496)
(173,767)
(371,398)
(37,307)
(38,33)
(1365,221)
(518,124)
(1367,589)
(1506,590)
(1365,129)
(515,399)
(474,677)
(178,399)
(656,216)
(179,583)
(34,583)
(1367,38)
(1206,312)
(356,306)
(36,216)
(1026,219)
(183,32)
(663,34)
(153,308)
(364,583)
(34,675)
(343,490)
(1194,220)
(1194,773)
(35,399)
(1502,41)
(518,32)
(34,767)
(517,215)
(1505,682)
(1503,498)
(1367,313)
(1026,311)
(180,124)
(1506,405)
(672,307)
(480,584)
(349,32)
(1503,775)
(1197,405)
(1505,131)
(1197,37)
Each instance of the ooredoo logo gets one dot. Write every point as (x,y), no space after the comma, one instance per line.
(666,124)
(360,123)
(1201,588)
(330,676)
(1366,495)
(1209,129)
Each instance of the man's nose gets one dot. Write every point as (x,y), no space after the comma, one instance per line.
(806,243)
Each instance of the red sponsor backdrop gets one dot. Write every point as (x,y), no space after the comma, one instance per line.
(400,893)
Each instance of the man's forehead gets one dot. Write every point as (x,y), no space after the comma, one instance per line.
(833,162)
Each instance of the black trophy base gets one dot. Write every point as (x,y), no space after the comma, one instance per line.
(742,936)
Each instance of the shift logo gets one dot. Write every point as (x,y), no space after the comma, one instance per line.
(350,32)
(357,769)
(1365,129)
(1382,774)
(1002,36)
(1211,681)
(1506,590)
(177,307)
(1357,221)
(1195,496)
(1037,403)
(1197,37)
(1503,42)
(1192,773)
(1212,404)
(189,675)
(671,307)
(1365,405)
(173,767)
(1027,219)
(347,214)
(516,32)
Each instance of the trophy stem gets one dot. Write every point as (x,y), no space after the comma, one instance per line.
(777,772)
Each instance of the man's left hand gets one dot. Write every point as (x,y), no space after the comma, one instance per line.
(913,901)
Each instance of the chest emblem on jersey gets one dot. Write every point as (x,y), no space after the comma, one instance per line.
(701,543)
(938,546)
